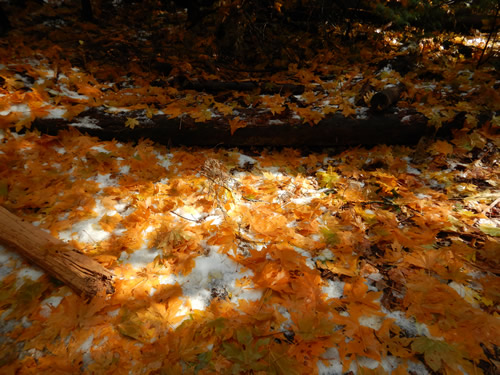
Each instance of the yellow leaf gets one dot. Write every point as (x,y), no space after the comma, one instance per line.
(337,269)
(73,111)
(201,115)
(275,103)
(223,108)
(131,122)
(89,90)
(495,121)
(328,179)
(471,120)
(309,115)
(348,109)
(174,109)
(108,223)
(150,112)
(24,123)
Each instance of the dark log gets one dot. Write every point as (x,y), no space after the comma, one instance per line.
(386,98)
(87,13)
(81,273)
(4,22)
(262,129)
(263,87)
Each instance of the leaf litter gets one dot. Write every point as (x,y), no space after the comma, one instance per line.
(273,262)
(381,260)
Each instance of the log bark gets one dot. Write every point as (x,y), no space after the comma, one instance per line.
(4,22)
(82,274)
(87,13)
(262,129)
(263,87)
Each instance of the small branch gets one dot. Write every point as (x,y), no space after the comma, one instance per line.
(493,31)
(185,218)
(490,207)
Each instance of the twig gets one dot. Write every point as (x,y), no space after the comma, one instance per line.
(389,203)
(493,31)
(487,209)
(241,237)
(185,218)
(254,200)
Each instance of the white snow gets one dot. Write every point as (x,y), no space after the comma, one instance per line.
(243,159)
(374,322)
(56,113)
(140,258)
(48,304)
(334,289)
(86,122)
(23,108)
(28,272)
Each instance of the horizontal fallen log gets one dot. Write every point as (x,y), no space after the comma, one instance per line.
(262,128)
(82,274)
(263,87)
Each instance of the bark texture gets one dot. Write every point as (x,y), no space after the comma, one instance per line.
(263,87)
(262,129)
(81,273)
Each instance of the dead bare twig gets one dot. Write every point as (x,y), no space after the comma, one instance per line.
(493,31)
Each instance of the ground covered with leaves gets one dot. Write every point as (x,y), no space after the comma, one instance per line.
(132,59)
(257,261)
(273,262)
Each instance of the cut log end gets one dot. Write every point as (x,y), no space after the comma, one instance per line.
(96,285)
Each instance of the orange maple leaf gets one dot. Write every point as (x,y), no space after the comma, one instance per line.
(443,147)
(236,123)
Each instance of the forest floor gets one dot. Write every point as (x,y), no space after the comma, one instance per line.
(258,261)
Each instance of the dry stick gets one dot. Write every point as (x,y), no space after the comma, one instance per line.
(185,218)
(84,275)
(490,207)
(493,31)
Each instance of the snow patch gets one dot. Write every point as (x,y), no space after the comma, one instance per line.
(334,366)
(243,159)
(28,273)
(23,108)
(56,113)
(48,304)
(140,258)
(86,122)
(334,289)
(411,170)
(214,271)
(275,122)
(374,322)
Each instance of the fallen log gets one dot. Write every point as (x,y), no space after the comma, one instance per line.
(82,274)
(263,87)
(262,128)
